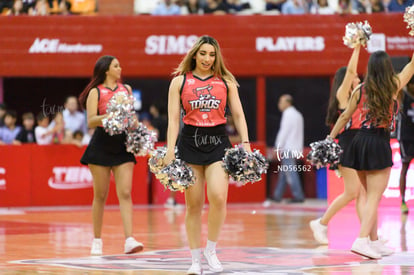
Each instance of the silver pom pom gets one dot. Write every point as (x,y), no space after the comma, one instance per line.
(176,176)
(243,166)
(357,33)
(140,141)
(409,19)
(324,152)
(121,114)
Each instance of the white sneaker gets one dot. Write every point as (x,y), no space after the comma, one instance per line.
(213,263)
(96,249)
(195,268)
(132,246)
(320,231)
(379,247)
(361,246)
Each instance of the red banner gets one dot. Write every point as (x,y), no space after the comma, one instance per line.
(150,46)
(52,175)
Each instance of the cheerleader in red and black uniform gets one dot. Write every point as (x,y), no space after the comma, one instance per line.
(106,153)
(203,88)
(370,152)
(345,81)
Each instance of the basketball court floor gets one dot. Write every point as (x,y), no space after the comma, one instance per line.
(254,240)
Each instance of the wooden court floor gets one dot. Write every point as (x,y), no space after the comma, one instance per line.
(254,240)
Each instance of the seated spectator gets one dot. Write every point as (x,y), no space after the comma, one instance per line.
(60,134)
(9,131)
(28,6)
(399,5)
(26,134)
(215,7)
(3,111)
(5,5)
(65,8)
(322,7)
(167,7)
(293,7)
(17,8)
(377,6)
(191,7)
(73,119)
(77,138)
(274,5)
(41,8)
(43,131)
(344,7)
(235,6)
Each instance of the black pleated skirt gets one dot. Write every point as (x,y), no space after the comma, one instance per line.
(106,150)
(344,140)
(202,145)
(370,149)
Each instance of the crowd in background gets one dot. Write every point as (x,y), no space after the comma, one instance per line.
(184,7)
(217,7)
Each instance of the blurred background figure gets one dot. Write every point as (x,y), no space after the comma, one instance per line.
(191,7)
(167,7)
(74,120)
(26,134)
(3,110)
(159,120)
(10,130)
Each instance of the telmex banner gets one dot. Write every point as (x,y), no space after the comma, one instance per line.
(149,46)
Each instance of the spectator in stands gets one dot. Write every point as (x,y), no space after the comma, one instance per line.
(77,138)
(60,135)
(26,134)
(28,6)
(274,5)
(399,5)
(65,8)
(233,6)
(3,110)
(17,8)
(289,147)
(215,7)
(293,7)
(191,7)
(73,119)
(9,131)
(159,121)
(41,8)
(43,131)
(377,6)
(344,7)
(322,7)
(167,7)
(6,5)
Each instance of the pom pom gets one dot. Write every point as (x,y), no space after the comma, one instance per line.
(357,33)
(121,114)
(140,141)
(324,152)
(243,166)
(176,176)
(409,19)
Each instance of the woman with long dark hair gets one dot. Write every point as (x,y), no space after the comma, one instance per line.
(106,153)
(346,79)
(370,152)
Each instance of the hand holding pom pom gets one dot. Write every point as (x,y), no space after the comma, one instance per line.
(324,152)
(244,166)
(120,110)
(357,33)
(409,19)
